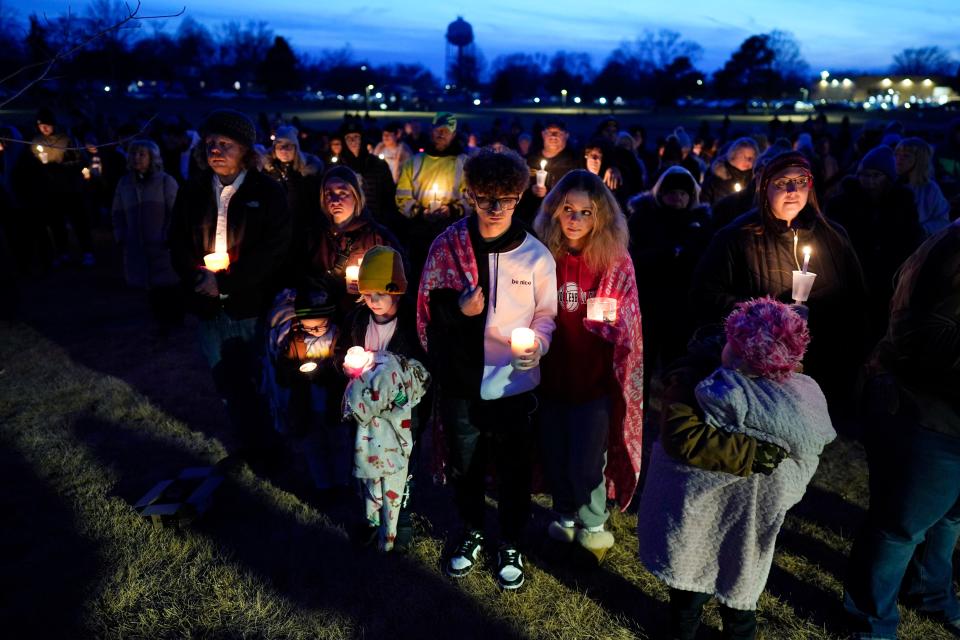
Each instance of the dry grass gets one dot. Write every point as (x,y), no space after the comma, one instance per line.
(79,445)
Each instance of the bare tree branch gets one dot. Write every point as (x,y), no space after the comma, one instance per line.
(48,65)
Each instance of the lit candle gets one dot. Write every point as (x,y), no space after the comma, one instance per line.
(522,339)
(602,309)
(356,360)
(353,274)
(542,174)
(86,173)
(382,157)
(308,367)
(806,259)
(334,159)
(44,156)
(436,195)
(216,261)
(736,186)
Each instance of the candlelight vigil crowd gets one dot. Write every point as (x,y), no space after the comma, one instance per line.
(676,326)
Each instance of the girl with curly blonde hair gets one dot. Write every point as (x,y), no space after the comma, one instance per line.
(592,387)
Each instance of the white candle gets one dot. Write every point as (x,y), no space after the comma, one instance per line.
(542,174)
(353,274)
(522,339)
(806,259)
(44,156)
(602,309)
(216,261)
(356,360)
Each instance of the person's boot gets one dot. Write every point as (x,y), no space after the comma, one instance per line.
(597,543)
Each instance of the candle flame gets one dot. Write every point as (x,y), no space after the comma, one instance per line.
(543,165)
(40,148)
(307,367)
(334,159)
(806,251)
(736,186)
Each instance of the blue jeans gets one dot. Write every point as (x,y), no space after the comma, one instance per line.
(911,530)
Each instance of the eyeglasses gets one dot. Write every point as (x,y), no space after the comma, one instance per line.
(486,203)
(799,184)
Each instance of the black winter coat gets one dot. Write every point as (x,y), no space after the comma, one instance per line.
(666,245)
(258,240)
(884,234)
(740,264)
(379,189)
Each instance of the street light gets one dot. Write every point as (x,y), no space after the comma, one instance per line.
(366,97)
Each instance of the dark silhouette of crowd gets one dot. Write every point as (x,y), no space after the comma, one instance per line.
(301,248)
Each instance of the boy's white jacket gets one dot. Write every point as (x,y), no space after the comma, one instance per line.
(523,293)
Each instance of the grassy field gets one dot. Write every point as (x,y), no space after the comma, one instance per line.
(94,411)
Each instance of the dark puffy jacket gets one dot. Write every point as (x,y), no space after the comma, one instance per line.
(378,186)
(884,234)
(666,245)
(748,259)
(722,180)
(258,240)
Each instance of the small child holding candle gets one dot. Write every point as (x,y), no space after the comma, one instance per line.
(592,386)
(712,533)
(387,321)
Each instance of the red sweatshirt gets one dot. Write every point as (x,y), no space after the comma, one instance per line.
(579,365)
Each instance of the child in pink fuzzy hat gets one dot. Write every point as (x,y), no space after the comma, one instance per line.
(711,533)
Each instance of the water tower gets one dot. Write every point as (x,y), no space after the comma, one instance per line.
(461,59)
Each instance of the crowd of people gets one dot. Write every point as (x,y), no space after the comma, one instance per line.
(494,299)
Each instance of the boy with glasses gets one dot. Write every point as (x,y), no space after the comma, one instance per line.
(484,277)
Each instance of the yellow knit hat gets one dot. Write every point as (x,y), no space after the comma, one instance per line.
(382,272)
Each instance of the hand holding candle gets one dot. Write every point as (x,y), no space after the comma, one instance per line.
(216,261)
(352,276)
(602,309)
(803,279)
(525,348)
(356,361)
(43,155)
(542,174)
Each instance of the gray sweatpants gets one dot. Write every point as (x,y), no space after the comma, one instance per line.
(574,445)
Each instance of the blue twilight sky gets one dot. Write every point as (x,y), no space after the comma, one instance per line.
(833,34)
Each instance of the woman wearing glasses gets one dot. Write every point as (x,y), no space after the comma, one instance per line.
(756,255)
(592,385)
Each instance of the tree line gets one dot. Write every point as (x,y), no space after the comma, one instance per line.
(658,65)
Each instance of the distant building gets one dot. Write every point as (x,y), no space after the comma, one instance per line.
(877,91)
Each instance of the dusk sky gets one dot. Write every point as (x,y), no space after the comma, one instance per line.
(833,34)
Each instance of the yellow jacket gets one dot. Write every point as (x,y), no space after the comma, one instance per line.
(427,182)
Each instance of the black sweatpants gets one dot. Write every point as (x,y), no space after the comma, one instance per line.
(479,432)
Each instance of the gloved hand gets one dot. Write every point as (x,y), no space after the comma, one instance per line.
(767,457)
